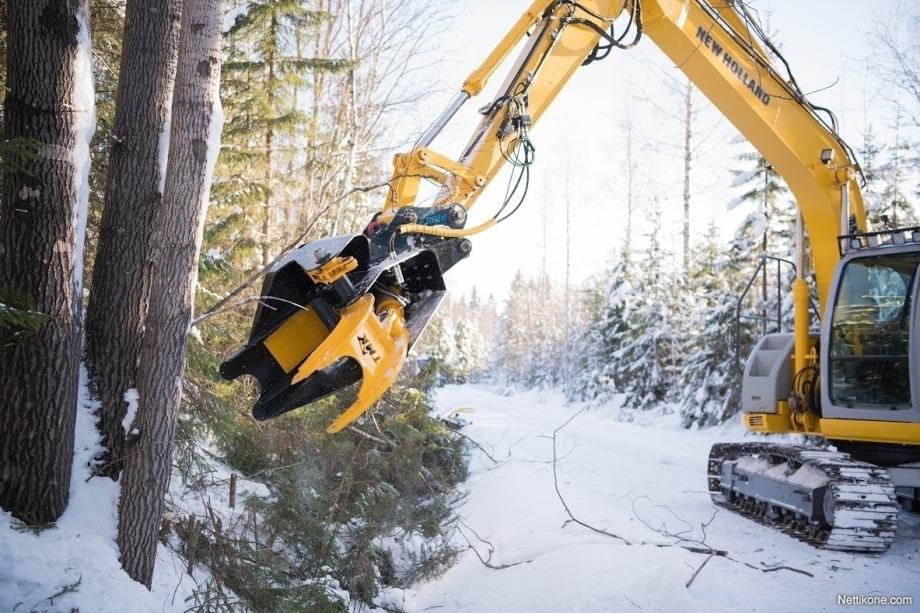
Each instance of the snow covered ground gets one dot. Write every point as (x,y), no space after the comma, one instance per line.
(629,480)
(73,565)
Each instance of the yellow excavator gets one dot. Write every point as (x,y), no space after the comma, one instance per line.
(347,309)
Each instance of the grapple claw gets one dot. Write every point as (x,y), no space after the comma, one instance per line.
(342,310)
(379,347)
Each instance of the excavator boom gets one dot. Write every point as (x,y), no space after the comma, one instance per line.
(715,44)
(346,310)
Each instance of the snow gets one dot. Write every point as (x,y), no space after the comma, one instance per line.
(808,476)
(215,125)
(83,101)
(735,202)
(79,550)
(743,178)
(163,144)
(231,15)
(27,193)
(131,397)
(757,466)
(630,480)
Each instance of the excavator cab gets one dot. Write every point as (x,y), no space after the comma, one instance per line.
(868,338)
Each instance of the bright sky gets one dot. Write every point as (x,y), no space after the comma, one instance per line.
(579,141)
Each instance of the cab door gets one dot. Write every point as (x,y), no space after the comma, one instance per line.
(869,347)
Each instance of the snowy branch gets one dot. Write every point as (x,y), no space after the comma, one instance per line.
(486,561)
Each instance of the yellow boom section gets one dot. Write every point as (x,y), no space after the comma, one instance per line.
(712,43)
(713,48)
(558,44)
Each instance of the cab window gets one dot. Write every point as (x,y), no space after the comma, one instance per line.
(870,333)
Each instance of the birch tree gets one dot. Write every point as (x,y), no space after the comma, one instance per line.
(49,100)
(194,142)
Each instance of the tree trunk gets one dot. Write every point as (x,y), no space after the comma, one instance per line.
(269,137)
(133,197)
(194,141)
(49,98)
(688,160)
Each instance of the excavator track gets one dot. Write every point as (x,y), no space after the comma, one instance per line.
(854,509)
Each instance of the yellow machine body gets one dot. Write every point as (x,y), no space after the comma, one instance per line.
(712,44)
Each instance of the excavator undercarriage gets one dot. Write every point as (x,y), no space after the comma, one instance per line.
(825,498)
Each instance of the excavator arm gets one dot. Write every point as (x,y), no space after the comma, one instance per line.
(347,309)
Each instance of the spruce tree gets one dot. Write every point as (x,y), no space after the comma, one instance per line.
(645,366)
(709,375)
(468,348)
(515,333)
(767,230)
(872,190)
(437,344)
(601,374)
(263,77)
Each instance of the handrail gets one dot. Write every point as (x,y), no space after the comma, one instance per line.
(778,320)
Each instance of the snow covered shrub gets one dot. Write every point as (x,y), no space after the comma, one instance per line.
(347,514)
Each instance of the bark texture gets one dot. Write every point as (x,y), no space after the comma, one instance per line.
(196,120)
(42,222)
(133,198)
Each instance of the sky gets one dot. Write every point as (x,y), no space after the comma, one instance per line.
(579,146)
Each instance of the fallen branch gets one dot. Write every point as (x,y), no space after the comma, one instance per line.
(369,437)
(477,445)
(697,571)
(565,505)
(692,545)
(700,547)
(795,570)
(487,562)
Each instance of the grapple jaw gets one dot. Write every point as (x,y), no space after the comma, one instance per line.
(338,311)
